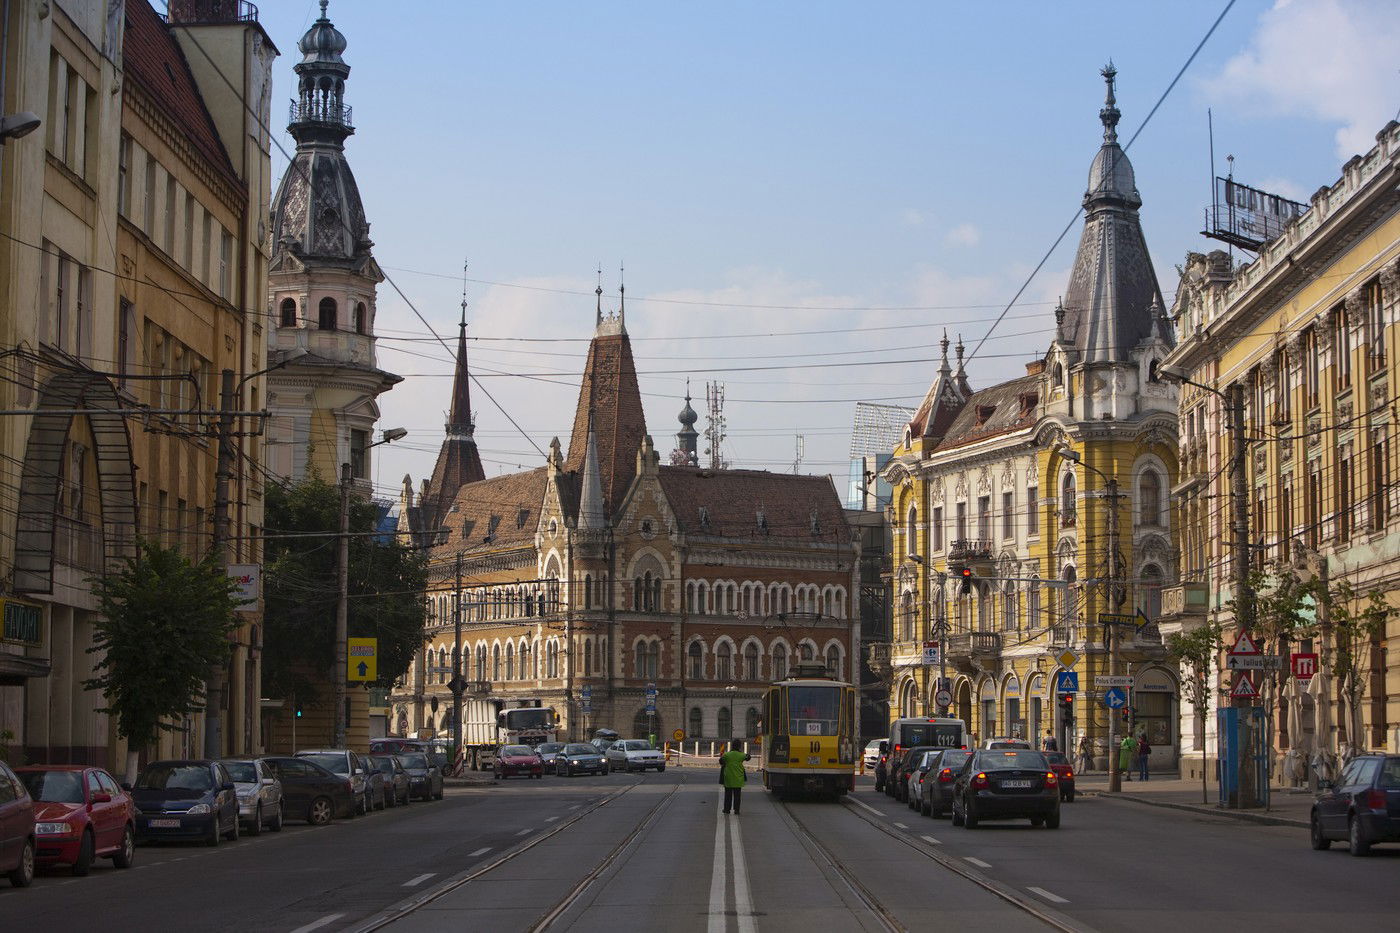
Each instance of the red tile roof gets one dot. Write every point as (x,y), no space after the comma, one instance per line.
(728,503)
(504,508)
(609,389)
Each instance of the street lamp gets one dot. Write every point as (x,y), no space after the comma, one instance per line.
(342,604)
(15,125)
(731,690)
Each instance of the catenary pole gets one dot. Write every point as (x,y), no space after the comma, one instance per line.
(342,607)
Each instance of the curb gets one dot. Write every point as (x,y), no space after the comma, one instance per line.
(1242,815)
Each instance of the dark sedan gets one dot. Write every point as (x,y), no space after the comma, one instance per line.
(395,778)
(909,759)
(580,758)
(1362,807)
(518,760)
(1059,763)
(185,799)
(1006,784)
(311,792)
(549,754)
(936,791)
(424,777)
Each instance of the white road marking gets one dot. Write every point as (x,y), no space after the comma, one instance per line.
(525,832)
(550,819)
(1052,898)
(865,806)
(931,841)
(575,806)
(482,851)
(743,899)
(327,920)
(976,861)
(716,923)
(415,882)
(901,826)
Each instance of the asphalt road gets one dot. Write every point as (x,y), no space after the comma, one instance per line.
(628,851)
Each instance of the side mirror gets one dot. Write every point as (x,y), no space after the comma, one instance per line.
(359,770)
(102,797)
(267,782)
(126,786)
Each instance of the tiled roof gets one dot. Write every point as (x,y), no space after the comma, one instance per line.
(152,58)
(728,503)
(994,410)
(609,389)
(505,509)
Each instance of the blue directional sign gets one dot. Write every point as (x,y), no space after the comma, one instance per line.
(1067,682)
(651,698)
(1115,698)
(585,697)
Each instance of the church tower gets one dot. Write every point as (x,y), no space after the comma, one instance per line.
(459,461)
(322,283)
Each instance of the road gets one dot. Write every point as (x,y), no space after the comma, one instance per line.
(623,851)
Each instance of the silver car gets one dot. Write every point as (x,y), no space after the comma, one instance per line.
(259,794)
(344,762)
(635,755)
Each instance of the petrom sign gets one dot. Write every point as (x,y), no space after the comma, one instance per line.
(24,623)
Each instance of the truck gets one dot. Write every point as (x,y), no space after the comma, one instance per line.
(489,722)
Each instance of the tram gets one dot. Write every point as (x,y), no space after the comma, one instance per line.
(809,726)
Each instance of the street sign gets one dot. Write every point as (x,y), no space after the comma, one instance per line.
(1113,680)
(944,697)
(651,698)
(1245,662)
(585,694)
(1117,618)
(1304,664)
(931,654)
(362,659)
(1067,658)
(1244,687)
(248,578)
(1067,682)
(1115,698)
(1245,645)
(678,735)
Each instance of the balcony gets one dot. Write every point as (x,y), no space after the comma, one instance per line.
(210,12)
(1184,602)
(320,110)
(969,646)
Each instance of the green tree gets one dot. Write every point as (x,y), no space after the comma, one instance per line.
(1197,652)
(164,622)
(1355,622)
(387,583)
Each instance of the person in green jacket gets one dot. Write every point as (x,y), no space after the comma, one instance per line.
(731,775)
(1126,750)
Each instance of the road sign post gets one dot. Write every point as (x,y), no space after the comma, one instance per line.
(1115,698)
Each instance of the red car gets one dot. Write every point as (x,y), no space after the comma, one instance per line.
(1059,763)
(81,814)
(518,759)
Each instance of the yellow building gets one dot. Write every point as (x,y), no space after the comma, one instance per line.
(1307,330)
(1013,482)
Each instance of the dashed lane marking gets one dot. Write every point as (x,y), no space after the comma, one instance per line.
(325,921)
(482,851)
(976,861)
(550,819)
(525,832)
(1052,898)
(415,882)
(931,841)
(901,826)
(576,806)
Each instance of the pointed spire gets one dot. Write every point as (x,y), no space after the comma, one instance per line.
(621,296)
(599,292)
(1109,115)
(1060,319)
(592,515)
(944,369)
(963,384)
(459,419)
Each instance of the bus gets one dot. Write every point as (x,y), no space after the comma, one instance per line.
(924,730)
(809,727)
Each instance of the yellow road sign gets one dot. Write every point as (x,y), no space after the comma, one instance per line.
(362,659)
(678,735)
(1067,658)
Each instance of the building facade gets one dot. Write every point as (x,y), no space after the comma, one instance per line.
(1013,483)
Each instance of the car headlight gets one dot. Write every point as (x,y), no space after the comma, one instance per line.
(198,809)
(52,829)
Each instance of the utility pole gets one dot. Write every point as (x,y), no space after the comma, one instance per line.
(342,607)
(457,664)
(223,473)
(1115,600)
(1244,594)
(941,630)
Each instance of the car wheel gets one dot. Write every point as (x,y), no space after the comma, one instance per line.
(1052,820)
(391,799)
(1037,821)
(1356,837)
(925,808)
(956,813)
(320,812)
(237,828)
(1069,796)
(276,824)
(127,853)
(1319,840)
(214,835)
(438,795)
(23,873)
(255,827)
(660,768)
(86,853)
(364,803)
(969,816)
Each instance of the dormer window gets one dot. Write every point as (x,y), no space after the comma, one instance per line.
(520,518)
(288,317)
(984,413)
(705,517)
(1152,374)
(1028,402)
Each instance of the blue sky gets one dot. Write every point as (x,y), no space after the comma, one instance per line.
(843,167)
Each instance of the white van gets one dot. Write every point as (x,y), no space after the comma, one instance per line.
(921,730)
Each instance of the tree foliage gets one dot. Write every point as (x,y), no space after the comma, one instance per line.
(1196,652)
(387,582)
(164,623)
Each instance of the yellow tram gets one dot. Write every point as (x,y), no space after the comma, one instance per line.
(809,726)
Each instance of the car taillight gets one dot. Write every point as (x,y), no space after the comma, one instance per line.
(1069,774)
(980,781)
(1375,799)
(945,776)
(1050,779)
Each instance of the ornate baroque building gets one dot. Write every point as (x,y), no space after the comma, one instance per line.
(1011,481)
(606,570)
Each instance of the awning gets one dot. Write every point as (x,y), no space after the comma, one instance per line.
(15,669)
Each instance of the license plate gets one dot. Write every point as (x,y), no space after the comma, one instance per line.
(814,760)
(165,824)
(1016,784)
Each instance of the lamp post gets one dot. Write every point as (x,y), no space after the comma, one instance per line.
(342,603)
(731,690)
(1115,598)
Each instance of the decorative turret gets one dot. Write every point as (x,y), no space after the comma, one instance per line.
(592,512)
(687,436)
(319,109)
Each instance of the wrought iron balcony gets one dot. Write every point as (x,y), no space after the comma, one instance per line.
(319,111)
(208,12)
(969,550)
(968,645)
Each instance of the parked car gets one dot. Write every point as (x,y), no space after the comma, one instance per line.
(1005,742)
(871,755)
(395,778)
(424,777)
(311,791)
(17,841)
(259,794)
(518,760)
(346,762)
(908,759)
(580,758)
(393,746)
(917,776)
(893,761)
(549,752)
(635,755)
(1004,784)
(936,792)
(437,754)
(80,815)
(185,799)
(1059,763)
(602,738)
(1362,806)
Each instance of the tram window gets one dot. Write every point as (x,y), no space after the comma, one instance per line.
(813,710)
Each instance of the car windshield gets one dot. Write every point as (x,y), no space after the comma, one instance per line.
(580,750)
(1056,758)
(517,750)
(175,777)
(813,710)
(242,772)
(550,747)
(638,746)
(414,761)
(912,757)
(1011,758)
(54,786)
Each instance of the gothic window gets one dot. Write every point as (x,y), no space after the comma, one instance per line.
(724,656)
(696,722)
(833,660)
(1150,498)
(289,313)
(1059,372)
(641,658)
(725,730)
(1067,506)
(361,318)
(496,662)
(780,658)
(697,661)
(804,651)
(481,662)
(327,314)
(510,662)
(751,661)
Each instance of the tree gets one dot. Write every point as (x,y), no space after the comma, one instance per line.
(1355,622)
(387,582)
(164,623)
(1197,652)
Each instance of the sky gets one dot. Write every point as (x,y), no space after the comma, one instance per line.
(804,195)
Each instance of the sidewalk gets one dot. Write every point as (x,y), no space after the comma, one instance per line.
(1287,807)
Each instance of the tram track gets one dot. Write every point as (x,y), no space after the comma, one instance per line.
(882,914)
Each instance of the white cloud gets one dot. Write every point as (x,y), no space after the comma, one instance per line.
(913,217)
(1330,60)
(963,235)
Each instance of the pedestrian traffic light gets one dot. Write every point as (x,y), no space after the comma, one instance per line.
(965,587)
(298,712)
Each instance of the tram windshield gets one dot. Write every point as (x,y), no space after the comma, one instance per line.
(813,710)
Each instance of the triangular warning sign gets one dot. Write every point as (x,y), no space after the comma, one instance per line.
(1245,645)
(1244,687)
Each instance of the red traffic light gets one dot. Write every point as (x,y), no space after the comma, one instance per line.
(967,573)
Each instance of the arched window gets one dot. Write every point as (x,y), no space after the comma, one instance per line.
(1033,603)
(751,723)
(1150,592)
(696,722)
(911,531)
(640,653)
(1008,608)
(697,661)
(442,665)
(724,658)
(326,320)
(1150,498)
(1071,598)
(496,662)
(804,651)
(833,660)
(289,313)
(1059,372)
(588,591)
(588,657)
(653,660)
(510,662)
(751,661)
(361,318)
(1067,505)
(780,659)
(725,730)
(481,662)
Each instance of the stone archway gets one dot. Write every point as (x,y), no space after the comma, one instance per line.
(65,393)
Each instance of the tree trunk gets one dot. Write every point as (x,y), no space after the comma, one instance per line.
(133,757)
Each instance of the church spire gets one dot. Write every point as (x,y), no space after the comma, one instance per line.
(459,419)
(944,369)
(1109,115)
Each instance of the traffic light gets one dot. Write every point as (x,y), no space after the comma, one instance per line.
(965,587)
(1067,707)
(298,712)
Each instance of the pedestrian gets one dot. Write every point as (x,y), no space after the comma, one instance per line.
(1143,750)
(1126,750)
(1086,754)
(1048,744)
(731,775)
